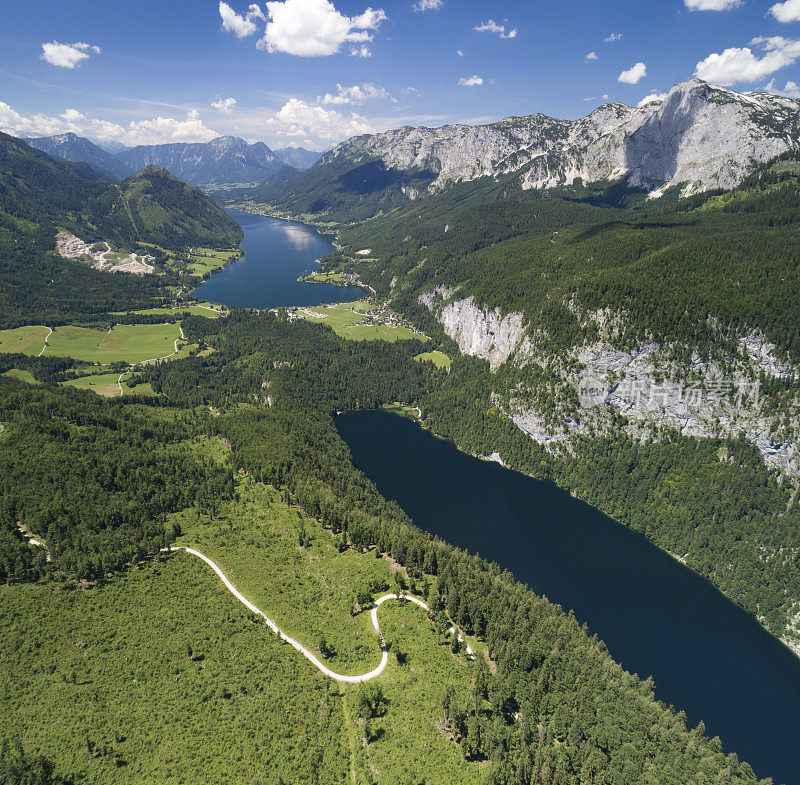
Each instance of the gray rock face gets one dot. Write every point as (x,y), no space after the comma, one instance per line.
(225,160)
(699,136)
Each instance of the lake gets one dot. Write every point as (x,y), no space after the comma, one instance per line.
(706,655)
(276,253)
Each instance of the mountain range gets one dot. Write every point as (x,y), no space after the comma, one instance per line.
(698,137)
(224,161)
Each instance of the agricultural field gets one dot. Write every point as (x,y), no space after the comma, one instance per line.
(439,359)
(23,340)
(108,384)
(131,343)
(197,309)
(207,260)
(345,318)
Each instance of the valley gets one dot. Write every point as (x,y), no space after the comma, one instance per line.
(231,403)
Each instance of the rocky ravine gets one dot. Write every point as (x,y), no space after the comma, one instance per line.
(699,136)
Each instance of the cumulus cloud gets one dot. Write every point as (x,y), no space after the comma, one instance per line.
(711,5)
(789,90)
(157,130)
(301,119)
(634,74)
(360,51)
(428,5)
(241,25)
(314,28)
(67,55)
(224,105)
(591,56)
(786,12)
(492,27)
(652,99)
(470,81)
(613,37)
(356,94)
(741,64)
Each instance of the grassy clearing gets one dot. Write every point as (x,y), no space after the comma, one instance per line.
(344,319)
(161,676)
(24,376)
(439,359)
(337,278)
(212,312)
(23,340)
(130,343)
(104,384)
(207,260)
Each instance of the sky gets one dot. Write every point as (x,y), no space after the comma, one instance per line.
(313,72)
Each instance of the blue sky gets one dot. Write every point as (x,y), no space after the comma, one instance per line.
(312,72)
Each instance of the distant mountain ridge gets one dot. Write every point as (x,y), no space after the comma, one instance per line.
(297,157)
(224,160)
(699,137)
(71,147)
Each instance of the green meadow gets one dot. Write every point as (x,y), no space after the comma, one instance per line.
(344,319)
(207,260)
(131,343)
(439,359)
(23,340)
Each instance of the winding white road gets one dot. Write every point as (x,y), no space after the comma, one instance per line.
(296,644)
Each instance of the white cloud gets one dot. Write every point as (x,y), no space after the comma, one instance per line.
(591,56)
(786,12)
(428,5)
(356,94)
(314,28)
(711,5)
(603,97)
(470,81)
(224,105)
(299,118)
(634,74)
(67,55)
(651,99)
(157,130)
(790,90)
(492,27)
(241,25)
(460,53)
(740,64)
(613,37)
(360,51)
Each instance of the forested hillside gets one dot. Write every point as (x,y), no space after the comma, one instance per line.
(39,196)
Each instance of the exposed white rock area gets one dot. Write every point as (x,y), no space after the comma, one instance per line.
(654,392)
(479,333)
(101,257)
(699,136)
(792,635)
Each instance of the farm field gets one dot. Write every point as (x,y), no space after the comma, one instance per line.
(344,319)
(206,260)
(23,340)
(210,311)
(439,359)
(130,343)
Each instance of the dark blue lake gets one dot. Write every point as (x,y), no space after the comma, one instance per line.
(706,655)
(276,253)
